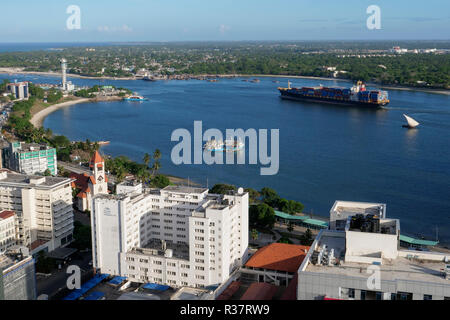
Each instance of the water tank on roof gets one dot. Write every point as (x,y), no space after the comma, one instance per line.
(168,253)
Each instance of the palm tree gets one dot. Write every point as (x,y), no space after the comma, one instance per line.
(146,159)
(156,166)
(157,155)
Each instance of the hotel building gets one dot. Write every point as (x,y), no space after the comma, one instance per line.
(177,236)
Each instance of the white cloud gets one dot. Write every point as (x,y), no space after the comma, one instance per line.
(123,28)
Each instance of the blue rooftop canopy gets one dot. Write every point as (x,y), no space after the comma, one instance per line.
(77,293)
(155,286)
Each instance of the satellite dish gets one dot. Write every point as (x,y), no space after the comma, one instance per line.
(240,190)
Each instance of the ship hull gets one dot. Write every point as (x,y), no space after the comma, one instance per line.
(297,97)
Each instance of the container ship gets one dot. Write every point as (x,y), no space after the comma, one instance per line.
(355,96)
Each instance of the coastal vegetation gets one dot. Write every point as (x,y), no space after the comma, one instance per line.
(348,60)
(262,204)
(19,127)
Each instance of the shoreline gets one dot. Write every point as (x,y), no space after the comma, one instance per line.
(12,70)
(38,118)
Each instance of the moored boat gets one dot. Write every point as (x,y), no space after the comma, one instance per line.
(135,98)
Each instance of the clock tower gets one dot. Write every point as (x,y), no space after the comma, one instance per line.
(98,179)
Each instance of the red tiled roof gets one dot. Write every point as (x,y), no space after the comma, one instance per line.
(37,243)
(260,291)
(96,158)
(81,182)
(229,291)
(279,257)
(6,214)
(291,291)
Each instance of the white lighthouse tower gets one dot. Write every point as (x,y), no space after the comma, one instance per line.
(64,73)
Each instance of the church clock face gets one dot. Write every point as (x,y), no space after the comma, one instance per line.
(100,178)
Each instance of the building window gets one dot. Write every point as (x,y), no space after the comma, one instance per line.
(379,295)
(427,297)
(351,293)
(363,295)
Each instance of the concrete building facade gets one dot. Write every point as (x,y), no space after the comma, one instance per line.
(17,276)
(43,207)
(364,261)
(18,89)
(7,230)
(30,158)
(178,236)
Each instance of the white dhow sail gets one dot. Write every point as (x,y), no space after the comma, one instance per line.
(411,122)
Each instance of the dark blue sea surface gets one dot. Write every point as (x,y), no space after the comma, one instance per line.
(326,152)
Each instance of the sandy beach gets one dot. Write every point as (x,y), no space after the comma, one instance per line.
(39,117)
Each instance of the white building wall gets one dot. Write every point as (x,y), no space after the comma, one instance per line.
(365,243)
(215,237)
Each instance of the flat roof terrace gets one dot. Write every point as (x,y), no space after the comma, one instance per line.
(154,248)
(399,268)
(31,180)
(184,189)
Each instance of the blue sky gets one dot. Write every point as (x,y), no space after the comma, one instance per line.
(193,20)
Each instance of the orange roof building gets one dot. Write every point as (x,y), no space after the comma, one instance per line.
(278,257)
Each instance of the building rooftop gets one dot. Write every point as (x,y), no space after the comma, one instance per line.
(129,183)
(188,293)
(184,189)
(28,147)
(155,248)
(6,214)
(12,257)
(352,208)
(8,178)
(260,291)
(405,266)
(278,257)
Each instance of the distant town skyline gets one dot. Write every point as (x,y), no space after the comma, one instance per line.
(199,20)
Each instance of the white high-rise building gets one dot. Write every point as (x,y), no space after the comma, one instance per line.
(43,207)
(178,236)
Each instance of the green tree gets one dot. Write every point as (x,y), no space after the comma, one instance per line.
(222,188)
(81,236)
(146,159)
(160,181)
(262,215)
(307,238)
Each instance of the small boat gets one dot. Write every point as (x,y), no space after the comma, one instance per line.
(411,122)
(221,146)
(135,98)
(148,78)
(255,81)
